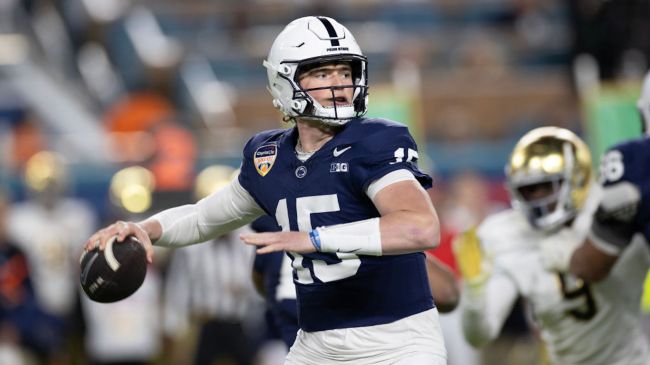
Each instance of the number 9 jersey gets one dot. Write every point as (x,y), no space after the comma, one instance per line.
(342,289)
(581,323)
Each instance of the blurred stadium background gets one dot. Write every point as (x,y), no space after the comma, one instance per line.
(138,98)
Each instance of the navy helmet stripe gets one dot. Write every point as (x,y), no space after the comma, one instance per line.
(330,30)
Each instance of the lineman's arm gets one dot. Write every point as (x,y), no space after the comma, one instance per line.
(214,215)
(484,311)
(443,284)
(611,232)
(590,263)
(488,293)
(592,257)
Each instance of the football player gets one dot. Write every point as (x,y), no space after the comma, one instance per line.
(273,279)
(623,214)
(549,180)
(350,199)
(49,226)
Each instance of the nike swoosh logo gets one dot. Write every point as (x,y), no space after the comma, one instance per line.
(351,251)
(338,152)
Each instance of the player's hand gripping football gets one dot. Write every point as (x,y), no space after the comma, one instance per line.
(120,229)
(268,242)
(472,263)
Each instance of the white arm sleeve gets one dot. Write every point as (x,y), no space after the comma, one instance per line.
(485,308)
(213,216)
(388,179)
(361,237)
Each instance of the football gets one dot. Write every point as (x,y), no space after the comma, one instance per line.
(114,273)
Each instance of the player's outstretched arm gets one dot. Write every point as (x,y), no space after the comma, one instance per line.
(408,223)
(590,263)
(612,230)
(487,297)
(443,284)
(217,214)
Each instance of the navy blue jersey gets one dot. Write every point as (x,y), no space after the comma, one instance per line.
(283,311)
(339,290)
(625,164)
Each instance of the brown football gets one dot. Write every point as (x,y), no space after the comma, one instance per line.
(114,273)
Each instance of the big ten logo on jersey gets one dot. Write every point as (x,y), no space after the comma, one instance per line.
(339,167)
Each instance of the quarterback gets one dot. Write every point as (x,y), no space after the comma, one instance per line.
(349,197)
(581,323)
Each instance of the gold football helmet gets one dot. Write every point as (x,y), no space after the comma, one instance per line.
(132,188)
(549,175)
(44,171)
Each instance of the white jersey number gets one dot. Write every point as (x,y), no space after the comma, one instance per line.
(611,166)
(410,154)
(322,271)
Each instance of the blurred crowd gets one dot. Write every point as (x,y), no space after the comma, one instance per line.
(115,109)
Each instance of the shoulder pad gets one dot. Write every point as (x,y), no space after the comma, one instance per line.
(262,138)
(505,231)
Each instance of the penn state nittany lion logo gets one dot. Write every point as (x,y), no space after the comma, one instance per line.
(264,158)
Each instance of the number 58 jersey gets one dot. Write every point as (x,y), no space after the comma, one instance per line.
(342,289)
(626,180)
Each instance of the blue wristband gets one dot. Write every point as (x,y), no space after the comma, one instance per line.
(315,239)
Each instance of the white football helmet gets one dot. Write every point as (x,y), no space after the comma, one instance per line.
(304,43)
(553,156)
(644,104)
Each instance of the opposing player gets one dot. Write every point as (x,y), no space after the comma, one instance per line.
(350,199)
(623,214)
(49,226)
(549,178)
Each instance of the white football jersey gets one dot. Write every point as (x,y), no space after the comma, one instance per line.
(580,323)
(52,241)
